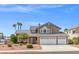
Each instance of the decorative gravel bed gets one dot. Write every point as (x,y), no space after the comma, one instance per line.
(76,46)
(18,47)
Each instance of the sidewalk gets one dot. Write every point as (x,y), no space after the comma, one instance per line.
(38,52)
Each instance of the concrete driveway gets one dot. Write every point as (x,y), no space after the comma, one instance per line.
(59,48)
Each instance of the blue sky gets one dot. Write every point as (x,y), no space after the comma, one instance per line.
(63,15)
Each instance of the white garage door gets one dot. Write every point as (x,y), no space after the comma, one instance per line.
(61,41)
(52,41)
(48,41)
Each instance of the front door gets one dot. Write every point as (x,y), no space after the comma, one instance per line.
(33,40)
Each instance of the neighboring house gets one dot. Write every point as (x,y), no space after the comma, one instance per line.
(2,40)
(73,31)
(47,33)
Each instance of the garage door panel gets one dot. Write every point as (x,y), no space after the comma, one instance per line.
(48,41)
(61,41)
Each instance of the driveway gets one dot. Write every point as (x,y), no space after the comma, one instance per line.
(59,48)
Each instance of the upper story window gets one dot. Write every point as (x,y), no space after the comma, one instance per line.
(44,30)
(48,31)
(33,31)
(73,32)
(69,32)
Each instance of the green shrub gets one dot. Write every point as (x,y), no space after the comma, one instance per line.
(70,41)
(29,46)
(75,40)
(9,45)
(13,38)
(24,43)
(21,44)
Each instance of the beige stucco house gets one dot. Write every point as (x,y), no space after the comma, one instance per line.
(48,34)
(73,32)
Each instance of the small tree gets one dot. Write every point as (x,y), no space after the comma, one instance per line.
(70,41)
(13,38)
(9,43)
(76,40)
(23,36)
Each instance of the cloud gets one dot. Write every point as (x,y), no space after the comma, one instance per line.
(49,6)
(19,9)
(4,4)
(70,9)
(16,9)
(26,9)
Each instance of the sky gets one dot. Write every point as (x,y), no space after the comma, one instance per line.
(62,15)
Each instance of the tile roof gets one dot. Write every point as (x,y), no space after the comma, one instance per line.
(33,27)
(36,34)
(26,31)
(48,23)
(73,27)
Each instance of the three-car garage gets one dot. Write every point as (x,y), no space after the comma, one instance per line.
(53,39)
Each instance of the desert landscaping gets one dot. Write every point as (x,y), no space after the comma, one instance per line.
(18,47)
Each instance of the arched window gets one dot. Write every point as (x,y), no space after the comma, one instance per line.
(44,30)
(73,32)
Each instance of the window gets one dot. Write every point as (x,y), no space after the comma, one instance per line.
(48,31)
(33,31)
(44,30)
(73,32)
(41,31)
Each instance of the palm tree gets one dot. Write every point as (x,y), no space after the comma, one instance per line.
(14,25)
(19,24)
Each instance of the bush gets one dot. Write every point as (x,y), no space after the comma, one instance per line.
(9,45)
(13,38)
(21,44)
(29,46)
(75,40)
(70,41)
(24,43)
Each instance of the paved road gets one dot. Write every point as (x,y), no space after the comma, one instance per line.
(51,52)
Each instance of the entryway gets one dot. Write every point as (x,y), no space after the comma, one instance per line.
(33,40)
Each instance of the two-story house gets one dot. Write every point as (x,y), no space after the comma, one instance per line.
(73,31)
(47,33)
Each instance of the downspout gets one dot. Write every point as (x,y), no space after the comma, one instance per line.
(67,40)
(56,40)
(39,28)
